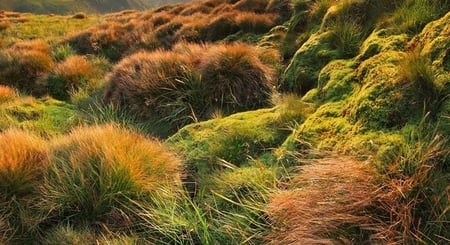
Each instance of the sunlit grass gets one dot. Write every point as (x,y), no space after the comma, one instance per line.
(51,28)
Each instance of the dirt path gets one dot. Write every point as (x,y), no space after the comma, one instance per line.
(324,205)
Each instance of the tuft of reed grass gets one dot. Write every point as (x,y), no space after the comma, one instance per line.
(255,23)
(190,82)
(4,25)
(97,173)
(256,6)
(325,203)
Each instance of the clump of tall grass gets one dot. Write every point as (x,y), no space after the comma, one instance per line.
(96,174)
(68,77)
(4,25)
(235,78)
(150,84)
(79,15)
(23,162)
(180,86)
(256,6)
(238,197)
(24,63)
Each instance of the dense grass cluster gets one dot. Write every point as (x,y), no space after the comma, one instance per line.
(255,103)
(192,82)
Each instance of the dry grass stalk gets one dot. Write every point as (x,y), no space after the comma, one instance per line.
(327,201)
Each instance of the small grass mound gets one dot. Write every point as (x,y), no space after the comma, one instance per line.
(97,174)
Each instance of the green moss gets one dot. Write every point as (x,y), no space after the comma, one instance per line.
(382,40)
(384,99)
(337,80)
(302,72)
(44,116)
(327,126)
(234,140)
(433,43)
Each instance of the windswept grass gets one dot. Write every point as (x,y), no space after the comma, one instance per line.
(96,175)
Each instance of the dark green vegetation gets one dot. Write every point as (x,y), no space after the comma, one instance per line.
(73,6)
(227,122)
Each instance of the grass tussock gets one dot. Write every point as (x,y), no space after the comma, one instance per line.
(24,63)
(96,175)
(4,24)
(23,162)
(181,86)
(236,78)
(68,76)
(416,70)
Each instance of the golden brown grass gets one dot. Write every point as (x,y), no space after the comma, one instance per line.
(253,22)
(23,162)
(79,16)
(69,76)
(4,24)
(140,81)
(325,204)
(235,77)
(23,158)
(7,93)
(413,198)
(24,63)
(98,174)
(36,45)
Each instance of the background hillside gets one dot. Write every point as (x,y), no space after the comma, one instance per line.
(73,6)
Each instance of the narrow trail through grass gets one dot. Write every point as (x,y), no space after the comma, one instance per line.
(326,203)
